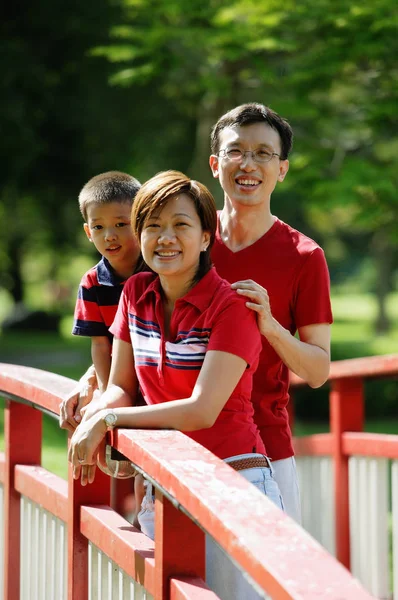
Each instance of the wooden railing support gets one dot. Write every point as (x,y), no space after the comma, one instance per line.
(23,433)
(98,492)
(346,414)
(179,548)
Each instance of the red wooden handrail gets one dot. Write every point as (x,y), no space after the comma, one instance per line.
(44,488)
(371,444)
(279,556)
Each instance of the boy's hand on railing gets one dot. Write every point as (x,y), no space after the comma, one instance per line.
(70,408)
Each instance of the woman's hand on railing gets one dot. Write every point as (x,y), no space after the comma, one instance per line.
(91,409)
(70,408)
(84,447)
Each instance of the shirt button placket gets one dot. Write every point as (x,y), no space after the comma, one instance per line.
(161,361)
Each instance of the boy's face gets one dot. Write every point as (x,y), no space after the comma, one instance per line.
(109,228)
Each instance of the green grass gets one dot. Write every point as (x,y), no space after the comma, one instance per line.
(353,332)
(302,428)
(352,336)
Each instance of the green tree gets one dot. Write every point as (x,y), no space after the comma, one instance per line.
(330,67)
(61,124)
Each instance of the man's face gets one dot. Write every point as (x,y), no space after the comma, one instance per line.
(249,182)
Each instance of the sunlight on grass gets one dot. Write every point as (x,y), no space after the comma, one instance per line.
(361,307)
(354,308)
(353,328)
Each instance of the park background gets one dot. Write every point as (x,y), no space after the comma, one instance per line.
(135,85)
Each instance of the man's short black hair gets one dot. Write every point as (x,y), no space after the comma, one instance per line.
(246,114)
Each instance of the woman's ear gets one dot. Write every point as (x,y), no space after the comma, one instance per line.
(205,241)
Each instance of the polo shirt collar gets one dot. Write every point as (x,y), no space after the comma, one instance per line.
(199,295)
(106,275)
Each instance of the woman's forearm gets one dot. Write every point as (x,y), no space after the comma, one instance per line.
(183,415)
(115,397)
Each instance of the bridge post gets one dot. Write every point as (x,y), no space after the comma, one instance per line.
(22,432)
(179,548)
(346,414)
(98,492)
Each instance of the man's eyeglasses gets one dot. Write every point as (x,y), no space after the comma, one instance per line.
(259,156)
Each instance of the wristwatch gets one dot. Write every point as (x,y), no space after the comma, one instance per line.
(110,419)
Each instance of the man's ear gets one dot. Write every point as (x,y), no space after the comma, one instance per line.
(87,231)
(213,162)
(283,169)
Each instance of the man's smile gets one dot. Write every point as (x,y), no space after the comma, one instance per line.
(246,181)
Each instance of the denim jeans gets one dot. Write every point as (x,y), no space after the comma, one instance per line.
(222,576)
(285,474)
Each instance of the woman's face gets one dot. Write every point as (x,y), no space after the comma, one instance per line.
(172,240)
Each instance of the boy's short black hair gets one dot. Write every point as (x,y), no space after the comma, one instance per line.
(112,186)
(247,114)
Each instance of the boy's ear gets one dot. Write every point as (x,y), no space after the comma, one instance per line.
(87,231)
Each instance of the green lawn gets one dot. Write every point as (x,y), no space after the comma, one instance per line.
(352,331)
(352,336)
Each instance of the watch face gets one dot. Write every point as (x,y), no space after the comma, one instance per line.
(110,419)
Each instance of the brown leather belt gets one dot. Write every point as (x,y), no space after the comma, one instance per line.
(249,463)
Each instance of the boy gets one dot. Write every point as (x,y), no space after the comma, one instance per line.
(105,203)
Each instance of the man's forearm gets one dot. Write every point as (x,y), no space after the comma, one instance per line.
(307,360)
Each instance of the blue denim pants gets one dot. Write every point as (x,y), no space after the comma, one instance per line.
(222,576)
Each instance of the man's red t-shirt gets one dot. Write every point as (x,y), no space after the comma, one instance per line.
(210,316)
(293,270)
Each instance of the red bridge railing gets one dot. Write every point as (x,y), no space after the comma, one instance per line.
(195,492)
(347,440)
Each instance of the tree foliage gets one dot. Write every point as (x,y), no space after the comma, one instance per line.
(139,86)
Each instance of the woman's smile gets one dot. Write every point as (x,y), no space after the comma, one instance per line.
(167,253)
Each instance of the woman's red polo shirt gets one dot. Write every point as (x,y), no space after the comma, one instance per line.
(210,316)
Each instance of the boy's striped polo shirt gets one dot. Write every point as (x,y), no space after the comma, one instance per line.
(97,300)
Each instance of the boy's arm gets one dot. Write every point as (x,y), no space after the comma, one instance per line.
(101,349)
(69,416)
(96,376)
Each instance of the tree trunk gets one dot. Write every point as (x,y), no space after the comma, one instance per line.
(209,111)
(212,106)
(383,257)
(15,269)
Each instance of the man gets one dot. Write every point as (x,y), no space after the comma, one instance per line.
(282,272)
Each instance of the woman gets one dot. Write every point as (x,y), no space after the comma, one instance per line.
(185,338)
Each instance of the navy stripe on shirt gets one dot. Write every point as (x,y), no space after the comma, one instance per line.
(101,295)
